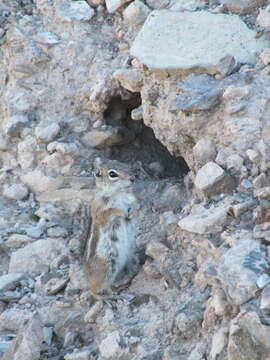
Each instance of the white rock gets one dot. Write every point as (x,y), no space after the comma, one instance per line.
(10,281)
(205,222)
(263,18)
(204,151)
(265,56)
(130,79)
(136,13)
(78,355)
(113,5)
(48,133)
(47,38)
(239,269)
(14,125)
(137,114)
(16,192)
(177,40)
(253,155)
(37,181)
(74,11)
(219,340)
(37,256)
(209,176)
(12,319)
(27,152)
(110,345)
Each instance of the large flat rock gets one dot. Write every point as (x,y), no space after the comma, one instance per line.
(187,40)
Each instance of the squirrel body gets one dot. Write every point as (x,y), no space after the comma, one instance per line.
(111,252)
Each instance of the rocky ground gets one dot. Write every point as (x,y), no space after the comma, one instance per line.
(179,90)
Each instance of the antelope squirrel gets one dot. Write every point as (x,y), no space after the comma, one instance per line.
(111,255)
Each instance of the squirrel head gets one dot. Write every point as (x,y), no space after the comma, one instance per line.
(113,175)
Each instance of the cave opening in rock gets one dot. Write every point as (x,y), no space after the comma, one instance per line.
(145,148)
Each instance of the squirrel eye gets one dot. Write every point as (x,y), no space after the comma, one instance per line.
(113,174)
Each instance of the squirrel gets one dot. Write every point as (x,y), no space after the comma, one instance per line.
(112,258)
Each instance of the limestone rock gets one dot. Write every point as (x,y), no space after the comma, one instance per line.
(13,319)
(167,39)
(74,11)
(204,151)
(219,342)
(37,256)
(47,133)
(109,347)
(10,281)
(27,344)
(205,221)
(130,79)
(113,5)
(37,181)
(239,269)
(14,125)
(248,338)
(263,18)
(211,179)
(108,136)
(136,13)
(16,192)
(137,114)
(47,38)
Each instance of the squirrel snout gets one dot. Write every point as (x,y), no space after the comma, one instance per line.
(132,178)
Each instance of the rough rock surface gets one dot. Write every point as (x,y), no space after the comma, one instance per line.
(195,131)
(166,41)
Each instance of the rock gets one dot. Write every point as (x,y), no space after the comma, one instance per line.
(239,269)
(263,193)
(27,152)
(16,192)
(166,41)
(27,344)
(74,11)
(92,314)
(242,7)
(265,55)
(109,347)
(204,151)
(263,280)
(263,18)
(108,136)
(34,231)
(253,155)
(113,5)
(261,181)
(3,143)
(219,341)
(46,38)
(13,319)
(47,133)
(198,93)
(248,338)
(79,355)
(18,240)
(262,231)
(130,79)
(137,114)
(234,164)
(241,208)
(265,299)
(56,232)
(205,221)
(211,179)
(226,66)
(37,181)
(185,323)
(37,256)
(157,4)
(15,124)
(10,281)
(136,13)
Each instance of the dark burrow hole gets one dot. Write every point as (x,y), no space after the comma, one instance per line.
(145,148)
